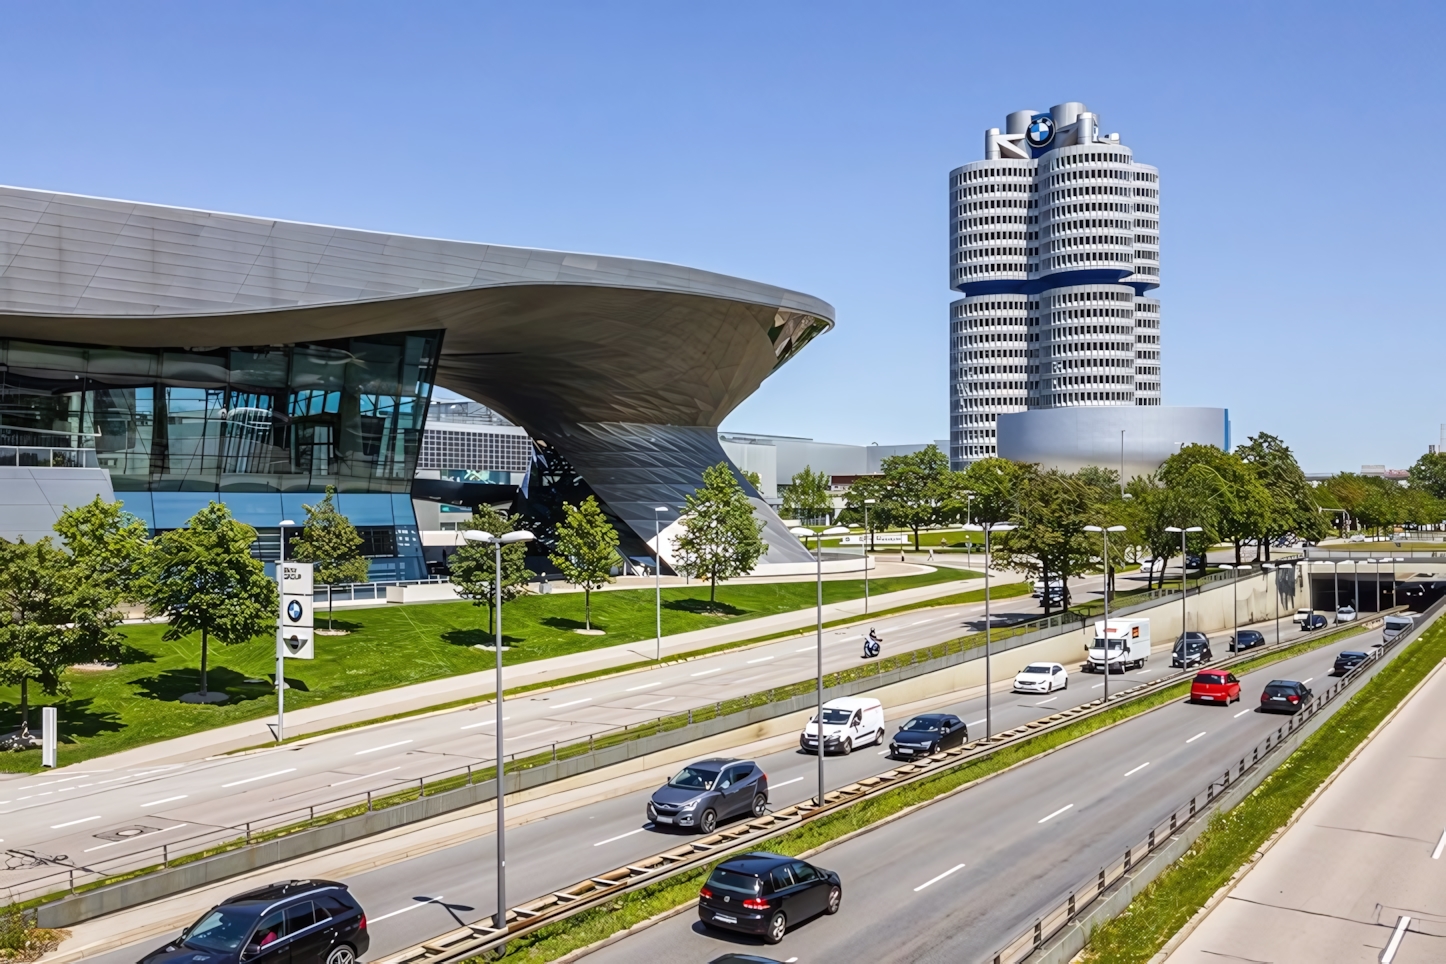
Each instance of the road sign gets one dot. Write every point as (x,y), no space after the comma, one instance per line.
(294,622)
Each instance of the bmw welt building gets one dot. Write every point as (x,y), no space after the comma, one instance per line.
(170,357)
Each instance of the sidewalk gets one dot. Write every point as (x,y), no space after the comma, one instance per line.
(420,696)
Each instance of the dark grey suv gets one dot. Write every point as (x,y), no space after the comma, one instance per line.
(708,791)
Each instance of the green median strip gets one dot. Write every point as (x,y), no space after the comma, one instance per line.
(593,925)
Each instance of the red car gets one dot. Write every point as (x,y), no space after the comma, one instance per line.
(1215,686)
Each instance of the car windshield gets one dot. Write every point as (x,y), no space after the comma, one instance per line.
(694,778)
(223,929)
(1112,645)
(1280,689)
(1210,679)
(1350,654)
(724,879)
(929,724)
(836,715)
(1037,668)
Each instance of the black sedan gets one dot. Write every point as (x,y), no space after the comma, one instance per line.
(1313,621)
(763,893)
(708,791)
(292,922)
(1348,661)
(928,733)
(1284,696)
(1246,639)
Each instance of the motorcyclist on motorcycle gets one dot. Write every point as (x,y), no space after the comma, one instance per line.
(872,643)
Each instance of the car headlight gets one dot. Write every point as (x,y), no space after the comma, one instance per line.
(690,805)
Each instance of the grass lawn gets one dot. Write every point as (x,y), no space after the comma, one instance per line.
(138,703)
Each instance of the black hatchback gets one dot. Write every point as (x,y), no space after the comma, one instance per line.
(1246,639)
(292,922)
(764,894)
(1284,696)
(928,733)
(1348,661)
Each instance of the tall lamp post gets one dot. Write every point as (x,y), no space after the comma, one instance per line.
(1184,570)
(506,539)
(968,521)
(1105,532)
(1377,580)
(868,546)
(1395,588)
(281,648)
(803,533)
(1272,567)
(1235,596)
(988,621)
(658,575)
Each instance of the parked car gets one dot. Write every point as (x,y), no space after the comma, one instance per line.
(1041,678)
(290,922)
(1348,661)
(1191,649)
(928,733)
(1301,615)
(1215,686)
(708,791)
(1246,639)
(848,723)
(1284,696)
(1345,614)
(764,893)
(1313,621)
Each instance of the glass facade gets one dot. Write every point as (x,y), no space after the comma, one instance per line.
(263,429)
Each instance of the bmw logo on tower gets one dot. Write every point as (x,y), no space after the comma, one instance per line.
(1041,130)
(293,611)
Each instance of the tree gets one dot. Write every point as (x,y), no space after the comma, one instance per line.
(1429,473)
(917,488)
(53,614)
(807,496)
(474,566)
(855,497)
(721,538)
(1294,508)
(330,542)
(1244,505)
(995,484)
(109,546)
(587,550)
(206,581)
(1049,541)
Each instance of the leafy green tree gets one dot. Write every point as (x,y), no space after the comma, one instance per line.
(474,567)
(1050,542)
(919,489)
(1294,508)
(330,542)
(109,546)
(995,484)
(1429,474)
(587,550)
(53,614)
(1190,500)
(205,580)
(1242,506)
(721,538)
(807,496)
(877,517)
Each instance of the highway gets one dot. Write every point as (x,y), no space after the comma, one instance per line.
(415,899)
(88,813)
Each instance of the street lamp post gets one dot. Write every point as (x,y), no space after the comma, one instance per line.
(988,620)
(1235,595)
(1272,566)
(658,576)
(506,539)
(968,541)
(1105,532)
(870,531)
(1184,570)
(803,533)
(1377,564)
(281,650)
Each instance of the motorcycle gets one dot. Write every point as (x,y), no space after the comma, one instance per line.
(871,646)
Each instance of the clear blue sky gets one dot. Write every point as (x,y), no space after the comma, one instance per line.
(809,145)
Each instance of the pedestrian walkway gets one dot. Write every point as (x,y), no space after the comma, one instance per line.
(451,689)
(1361,875)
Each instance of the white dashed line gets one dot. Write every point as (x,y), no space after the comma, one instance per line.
(1196,737)
(761,659)
(1058,812)
(935,880)
(421,903)
(72,823)
(363,777)
(716,669)
(563,706)
(666,699)
(1138,768)
(784,783)
(619,836)
(274,773)
(1436,854)
(1307,680)
(528,736)
(378,749)
(157,803)
(974,723)
(1050,700)
(473,726)
(645,686)
(1241,713)
(1389,954)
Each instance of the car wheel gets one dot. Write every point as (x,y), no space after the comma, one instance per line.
(879,738)
(708,822)
(760,804)
(777,924)
(1066,683)
(933,748)
(835,898)
(341,955)
(847,748)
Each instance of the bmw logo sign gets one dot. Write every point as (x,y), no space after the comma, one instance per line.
(293,611)
(1040,131)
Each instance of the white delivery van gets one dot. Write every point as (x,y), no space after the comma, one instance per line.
(1127,642)
(1396,624)
(848,723)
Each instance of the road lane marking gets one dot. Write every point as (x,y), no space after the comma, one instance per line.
(1050,700)
(157,803)
(1097,686)
(1306,680)
(806,649)
(421,902)
(619,836)
(666,699)
(473,726)
(274,773)
(1196,737)
(1138,768)
(761,659)
(645,686)
(946,873)
(1389,954)
(378,749)
(563,706)
(975,723)
(363,777)
(1242,713)
(1058,812)
(716,669)
(785,783)
(524,736)
(1436,854)
(72,823)
(136,837)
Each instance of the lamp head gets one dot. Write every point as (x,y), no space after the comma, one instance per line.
(288,522)
(1093,529)
(1115,529)
(871,501)
(1002,527)
(803,532)
(973,527)
(521,535)
(835,531)
(476,535)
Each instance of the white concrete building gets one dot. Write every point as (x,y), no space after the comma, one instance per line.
(1054,244)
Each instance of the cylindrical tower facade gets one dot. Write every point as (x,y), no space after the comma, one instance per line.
(1054,241)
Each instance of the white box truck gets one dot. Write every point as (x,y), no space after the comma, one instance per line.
(1127,641)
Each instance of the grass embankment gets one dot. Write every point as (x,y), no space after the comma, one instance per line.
(590,926)
(1168,903)
(139,702)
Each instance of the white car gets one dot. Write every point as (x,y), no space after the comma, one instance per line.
(1345,614)
(1041,678)
(849,722)
(1301,615)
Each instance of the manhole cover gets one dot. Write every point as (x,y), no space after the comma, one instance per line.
(125,833)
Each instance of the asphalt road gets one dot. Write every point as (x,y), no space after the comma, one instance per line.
(416,899)
(94,814)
